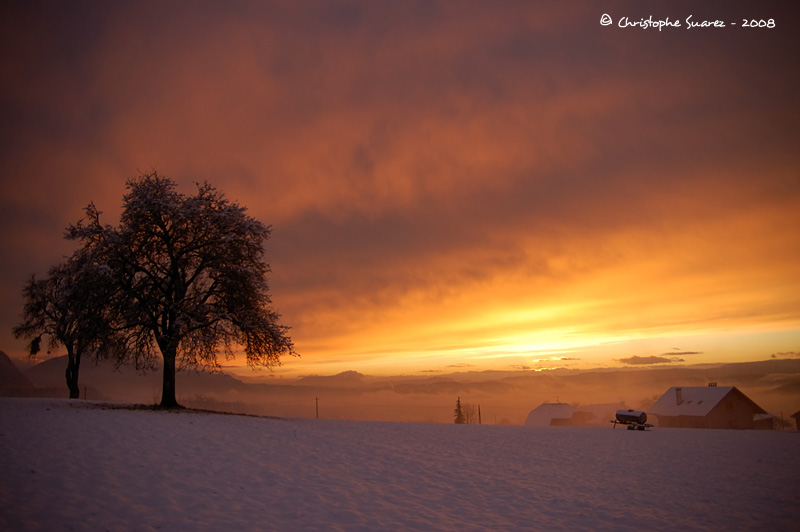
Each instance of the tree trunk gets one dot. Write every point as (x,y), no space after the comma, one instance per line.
(73,366)
(168,388)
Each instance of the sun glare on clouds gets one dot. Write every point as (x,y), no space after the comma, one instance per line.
(449,187)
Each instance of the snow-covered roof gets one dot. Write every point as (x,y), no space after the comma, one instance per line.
(690,400)
(542,415)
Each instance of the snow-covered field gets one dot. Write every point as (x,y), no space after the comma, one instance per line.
(78,465)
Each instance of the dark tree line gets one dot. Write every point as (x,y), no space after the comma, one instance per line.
(180,276)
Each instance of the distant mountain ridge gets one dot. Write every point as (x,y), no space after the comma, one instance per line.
(50,373)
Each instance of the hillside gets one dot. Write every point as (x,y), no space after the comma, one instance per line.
(87,466)
(12,381)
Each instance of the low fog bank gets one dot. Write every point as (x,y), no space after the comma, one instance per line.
(503,397)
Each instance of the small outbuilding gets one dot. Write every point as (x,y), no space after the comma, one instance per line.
(709,407)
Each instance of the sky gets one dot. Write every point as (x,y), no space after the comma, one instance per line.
(451,186)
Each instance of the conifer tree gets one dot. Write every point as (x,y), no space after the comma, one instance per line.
(459,413)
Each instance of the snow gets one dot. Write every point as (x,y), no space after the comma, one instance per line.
(81,465)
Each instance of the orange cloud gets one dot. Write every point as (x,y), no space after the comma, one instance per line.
(643,361)
(446,184)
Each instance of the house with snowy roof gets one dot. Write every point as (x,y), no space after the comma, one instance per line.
(709,407)
(567,415)
(547,414)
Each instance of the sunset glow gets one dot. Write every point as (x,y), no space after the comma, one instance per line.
(451,186)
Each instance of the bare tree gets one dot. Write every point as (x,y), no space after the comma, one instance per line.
(470,413)
(190,278)
(67,308)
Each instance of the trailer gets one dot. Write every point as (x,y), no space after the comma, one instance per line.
(634,419)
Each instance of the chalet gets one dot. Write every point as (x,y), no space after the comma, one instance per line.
(550,414)
(567,415)
(709,407)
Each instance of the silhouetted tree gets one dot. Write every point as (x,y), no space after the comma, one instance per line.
(67,308)
(190,277)
(470,412)
(459,413)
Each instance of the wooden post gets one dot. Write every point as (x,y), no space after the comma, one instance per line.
(479,415)
(316,400)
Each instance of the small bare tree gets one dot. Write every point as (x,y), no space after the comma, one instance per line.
(470,413)
(67,308)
